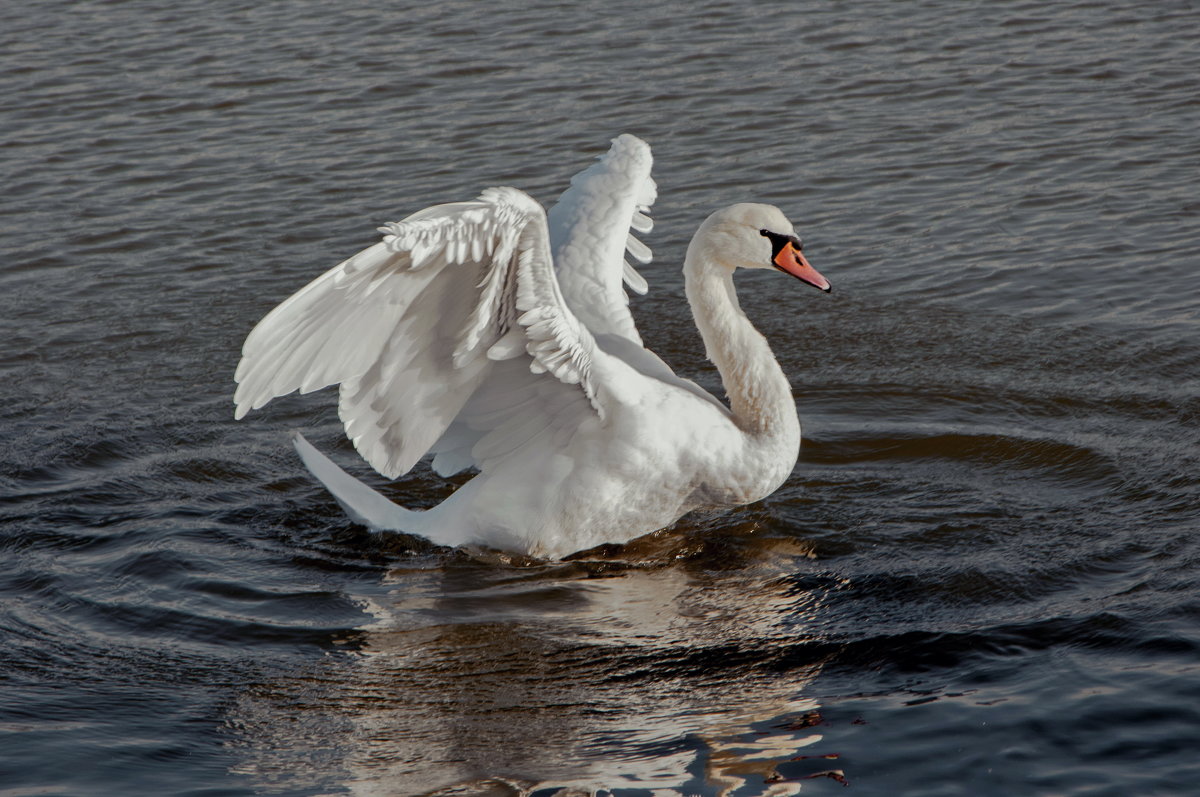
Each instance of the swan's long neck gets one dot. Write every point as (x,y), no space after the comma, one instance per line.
(759,394)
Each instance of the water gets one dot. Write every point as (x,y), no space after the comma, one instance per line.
(981,578)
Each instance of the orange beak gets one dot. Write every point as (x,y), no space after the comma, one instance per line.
(791,260)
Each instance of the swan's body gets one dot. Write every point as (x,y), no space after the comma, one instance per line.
(498,339)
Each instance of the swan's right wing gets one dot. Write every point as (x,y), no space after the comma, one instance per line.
(590,234)
(413,326)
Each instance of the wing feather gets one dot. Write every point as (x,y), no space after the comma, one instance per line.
(418,325)
(635,281)
(590,234)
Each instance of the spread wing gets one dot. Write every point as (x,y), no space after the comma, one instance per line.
(590,234)
(426,321)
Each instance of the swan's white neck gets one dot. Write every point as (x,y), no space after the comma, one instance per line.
(758,391)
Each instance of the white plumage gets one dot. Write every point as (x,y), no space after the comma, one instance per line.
(499,338)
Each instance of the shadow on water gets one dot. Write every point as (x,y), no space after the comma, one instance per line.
(652,666)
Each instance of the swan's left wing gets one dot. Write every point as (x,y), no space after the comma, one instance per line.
(591,231)
(413,326)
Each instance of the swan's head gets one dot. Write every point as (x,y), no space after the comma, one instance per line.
(752,235)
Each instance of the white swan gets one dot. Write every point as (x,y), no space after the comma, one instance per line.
(497,338)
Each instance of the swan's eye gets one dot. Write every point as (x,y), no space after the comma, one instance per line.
(777,241)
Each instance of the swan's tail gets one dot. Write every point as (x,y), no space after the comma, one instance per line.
(363,504)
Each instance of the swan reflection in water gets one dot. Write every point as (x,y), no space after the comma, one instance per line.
(656,672)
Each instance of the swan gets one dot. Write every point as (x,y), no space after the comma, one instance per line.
(498,337)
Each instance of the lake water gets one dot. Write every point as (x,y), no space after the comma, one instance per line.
(981,578)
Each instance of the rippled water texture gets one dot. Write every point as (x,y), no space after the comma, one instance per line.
(980,579)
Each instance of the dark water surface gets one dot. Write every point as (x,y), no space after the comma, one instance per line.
(981,578)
